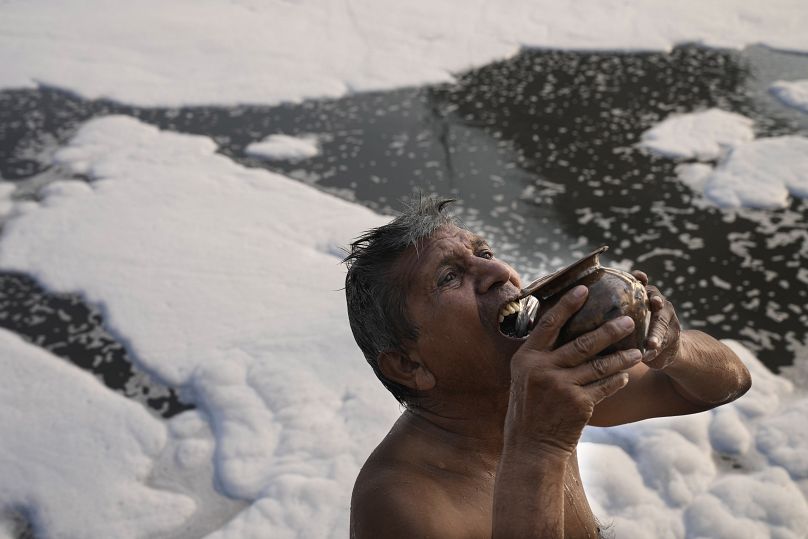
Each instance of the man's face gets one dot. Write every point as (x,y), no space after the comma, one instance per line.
(457,289)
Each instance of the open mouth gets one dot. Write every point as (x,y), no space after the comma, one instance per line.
(518,317)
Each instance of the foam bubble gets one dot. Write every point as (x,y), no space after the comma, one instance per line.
(792,93)
(284,148)
(231,52)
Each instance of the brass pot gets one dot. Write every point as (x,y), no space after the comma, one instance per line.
(612,293)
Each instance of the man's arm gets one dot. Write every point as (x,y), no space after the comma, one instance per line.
(706,372)
(553,393)
(529,494)
(682,372)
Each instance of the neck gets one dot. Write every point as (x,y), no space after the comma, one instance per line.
(474,424)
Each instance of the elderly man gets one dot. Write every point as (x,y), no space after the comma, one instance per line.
(487,444)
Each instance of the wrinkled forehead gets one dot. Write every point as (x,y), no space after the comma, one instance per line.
(420,261)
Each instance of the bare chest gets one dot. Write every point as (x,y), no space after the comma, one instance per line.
(472,502)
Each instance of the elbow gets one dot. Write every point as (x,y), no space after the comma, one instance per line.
(744,379)
(737,378)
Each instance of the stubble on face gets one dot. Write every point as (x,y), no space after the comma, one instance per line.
(455,287)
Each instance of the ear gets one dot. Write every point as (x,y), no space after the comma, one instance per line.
(407,370)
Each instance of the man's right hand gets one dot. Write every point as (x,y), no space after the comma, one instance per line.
(555,390)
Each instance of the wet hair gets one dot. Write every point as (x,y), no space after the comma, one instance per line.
(376,288)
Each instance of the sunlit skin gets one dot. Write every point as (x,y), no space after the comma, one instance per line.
(457,289)
(488,448)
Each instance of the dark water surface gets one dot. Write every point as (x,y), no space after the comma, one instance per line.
(541,151)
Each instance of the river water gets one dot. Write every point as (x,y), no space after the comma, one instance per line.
(541,152)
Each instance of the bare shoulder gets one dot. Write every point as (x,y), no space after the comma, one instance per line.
(393,499)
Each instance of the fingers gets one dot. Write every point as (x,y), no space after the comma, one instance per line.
(662,343)
(655,298)
(589,344)
(604,366)
(545,333)
(660,319)
(606,387)
(640,276)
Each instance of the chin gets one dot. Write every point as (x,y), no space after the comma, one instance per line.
(507,346)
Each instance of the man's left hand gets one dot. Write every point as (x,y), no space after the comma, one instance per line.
(662,344)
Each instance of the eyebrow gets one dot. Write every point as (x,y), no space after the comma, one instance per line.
(477,242)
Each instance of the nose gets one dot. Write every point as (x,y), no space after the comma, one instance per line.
(494,272)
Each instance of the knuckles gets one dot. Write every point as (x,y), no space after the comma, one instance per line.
(600,365)
(609,387)
(662,324)
(549,320)
(626,359)
(584,344)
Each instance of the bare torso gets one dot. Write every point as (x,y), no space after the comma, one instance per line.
(492,441)
(446,479)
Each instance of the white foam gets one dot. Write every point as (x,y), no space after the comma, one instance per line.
(6,203)
(619,496)
(186,465)
(793,93)
(764,504)
(226,52)
(694,175)
(7,529)
(659,478)
(759,173)
(284,148)
(226,280)
(75,456)
(728,434)
(703,135)
(783,444)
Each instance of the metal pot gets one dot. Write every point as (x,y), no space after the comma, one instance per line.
(612,293)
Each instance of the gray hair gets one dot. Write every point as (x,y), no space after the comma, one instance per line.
(376,292)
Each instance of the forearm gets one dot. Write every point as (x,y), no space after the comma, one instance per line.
(706,372)
(529,495)
(552,395)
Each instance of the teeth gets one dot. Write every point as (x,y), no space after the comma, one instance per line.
(509,309)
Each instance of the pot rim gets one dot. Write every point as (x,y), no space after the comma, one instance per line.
(549,285)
